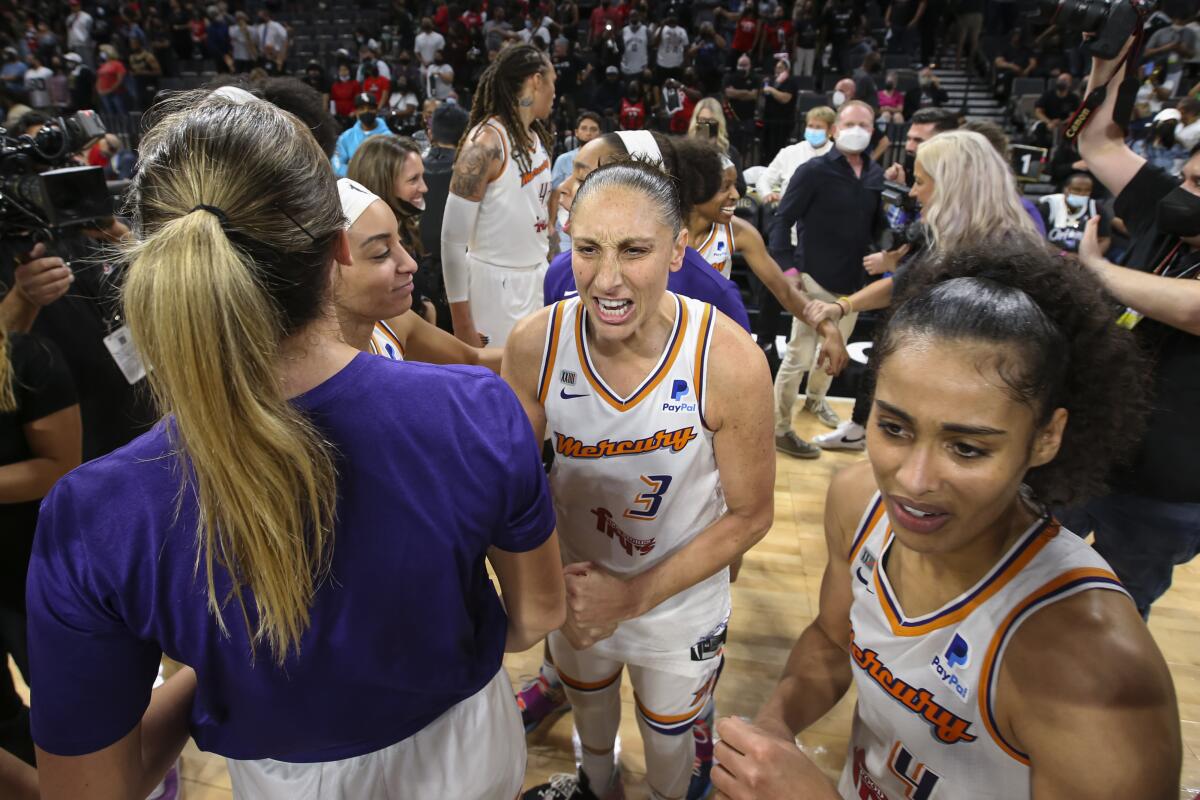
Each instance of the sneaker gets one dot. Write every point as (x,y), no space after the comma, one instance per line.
(792,445)
(848,436)
(169,788)
(821,410)
(565,786)
(701,784)
(540,701)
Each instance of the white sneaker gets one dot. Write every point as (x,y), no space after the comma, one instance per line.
(848,436)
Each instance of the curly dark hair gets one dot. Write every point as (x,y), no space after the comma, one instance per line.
(497,96)
(1059,347)
(290,94)
(694,164)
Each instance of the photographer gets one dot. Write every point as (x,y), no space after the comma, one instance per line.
(1151,520)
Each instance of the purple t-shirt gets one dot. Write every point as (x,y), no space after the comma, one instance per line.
(696,279)
(435,465)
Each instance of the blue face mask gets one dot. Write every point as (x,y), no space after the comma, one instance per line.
(815,136)
(1077,201)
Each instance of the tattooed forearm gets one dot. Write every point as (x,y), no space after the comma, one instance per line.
(471,169)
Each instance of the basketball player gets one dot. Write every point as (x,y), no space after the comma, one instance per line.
(373,295)
(995,654)
(495,230)
(719,233)
(659,411)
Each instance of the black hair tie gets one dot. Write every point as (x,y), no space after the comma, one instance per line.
(216,212)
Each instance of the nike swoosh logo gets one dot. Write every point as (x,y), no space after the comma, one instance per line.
(852,441)
(571,293)
(563,394)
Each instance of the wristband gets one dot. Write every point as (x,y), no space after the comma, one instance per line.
(848,308)
(791,272)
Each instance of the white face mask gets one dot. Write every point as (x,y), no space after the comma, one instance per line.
(853,140)
(838,98)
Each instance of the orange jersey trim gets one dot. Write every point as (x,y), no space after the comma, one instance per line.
(864,532)
(588,686)
(1018,559)
(389,334)
(706,327)
(1073,579)
(669,719)
(556,318)
(651,382)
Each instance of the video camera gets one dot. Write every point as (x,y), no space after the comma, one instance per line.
(41,190)
(903,215)
(1111,22)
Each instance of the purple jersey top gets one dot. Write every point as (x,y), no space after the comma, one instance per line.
(1032,210)
(696,279)
(435,465)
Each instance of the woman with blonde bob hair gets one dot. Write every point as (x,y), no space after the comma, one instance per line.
(708,123)
(968,194)
(277,531)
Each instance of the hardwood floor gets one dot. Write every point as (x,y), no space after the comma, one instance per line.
(774,598)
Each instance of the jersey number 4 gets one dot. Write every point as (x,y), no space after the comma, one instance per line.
(647,503)
(919,781)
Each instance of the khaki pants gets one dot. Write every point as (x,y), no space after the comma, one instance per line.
(800,357)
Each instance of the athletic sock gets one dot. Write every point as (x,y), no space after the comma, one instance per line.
(599,770)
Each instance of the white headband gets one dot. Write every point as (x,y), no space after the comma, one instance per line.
(235,93)
(641,144)
(726,162)
(355,198)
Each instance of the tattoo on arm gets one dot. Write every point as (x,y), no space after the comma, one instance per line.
(471,170)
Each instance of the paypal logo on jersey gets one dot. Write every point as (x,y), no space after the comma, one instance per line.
(679,390)
(958,652)
(956,657)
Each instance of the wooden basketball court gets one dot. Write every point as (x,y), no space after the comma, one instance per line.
(774,598)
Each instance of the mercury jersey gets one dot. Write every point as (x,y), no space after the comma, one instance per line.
(635,478)
(384,342)
(513,229)
(717,248)
(924,727)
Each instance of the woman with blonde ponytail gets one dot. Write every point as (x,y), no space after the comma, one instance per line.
(281,531)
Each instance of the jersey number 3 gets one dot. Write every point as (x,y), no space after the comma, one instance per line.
(648,502)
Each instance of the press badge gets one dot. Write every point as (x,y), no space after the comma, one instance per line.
(1130,318)
(120,345)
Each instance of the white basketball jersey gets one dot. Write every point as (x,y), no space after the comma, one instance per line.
(513,228)
(384,342)
(717,248)
(924,727)
(635,478)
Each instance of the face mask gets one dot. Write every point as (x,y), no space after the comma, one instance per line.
(853,140)
(1077,202)
(1064,87)
(367,120)
(1179,213)
(815,136)
(838,98)
(890,85)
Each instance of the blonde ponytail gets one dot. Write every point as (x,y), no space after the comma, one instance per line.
(209,298)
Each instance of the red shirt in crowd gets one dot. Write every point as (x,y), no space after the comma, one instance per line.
(633,115)
(472,20)
(378,87)
(776,34)
(342,93)
(441,18)
(110,76)
(744,36)
(683,117)
(96,157)
(600,18)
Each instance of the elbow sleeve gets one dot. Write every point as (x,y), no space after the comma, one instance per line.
(458,223)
